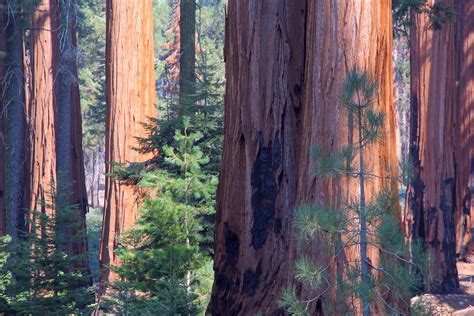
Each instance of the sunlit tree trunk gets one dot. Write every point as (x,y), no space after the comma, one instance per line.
(130,102)
(41,106)
(285,64)
(431,196)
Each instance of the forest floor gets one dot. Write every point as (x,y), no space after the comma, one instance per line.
(454,304)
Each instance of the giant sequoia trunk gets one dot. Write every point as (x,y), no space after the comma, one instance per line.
(464,151)
(436,191)
(56,172)
(41,107)
(14,124)
(130,102)
(285,63)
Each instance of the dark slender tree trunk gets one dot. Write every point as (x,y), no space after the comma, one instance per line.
(71,189)
(2,139)
(285,64)
(187,58)
(431,196)
(14,124)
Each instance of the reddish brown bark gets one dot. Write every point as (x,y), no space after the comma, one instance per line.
(41,107)
(431,197)
(464,137)
(285,64)
(130,102)
(55,136)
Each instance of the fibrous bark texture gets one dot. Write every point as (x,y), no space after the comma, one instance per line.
(431,195)
(41,107)
(130,102)
(464,137)
(56,167)
(285,64)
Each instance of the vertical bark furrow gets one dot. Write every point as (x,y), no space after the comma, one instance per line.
(431,197)
(285,64)
(130,102)
(42,113)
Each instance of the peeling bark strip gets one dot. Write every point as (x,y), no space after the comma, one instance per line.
(285,65)
(431,197)
(130,102)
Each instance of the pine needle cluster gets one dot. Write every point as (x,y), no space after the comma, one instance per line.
(384,286)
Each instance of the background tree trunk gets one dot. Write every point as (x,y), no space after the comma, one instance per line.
(2,139)
(431,196)
(14,120)
(130,102)
(187,58)
(464,152)
(285,64)
(71,189)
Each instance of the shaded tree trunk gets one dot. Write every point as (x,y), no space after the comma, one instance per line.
(187,58)
(2,139)
(431,196)
(71,189)
(130,102)
(464,152)
(285,64)
(14,125)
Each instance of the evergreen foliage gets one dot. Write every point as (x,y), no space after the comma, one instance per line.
(206,106)
(6,277)
(438,13)
(164,258)
(48,279)
(91,64)
(385,285)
